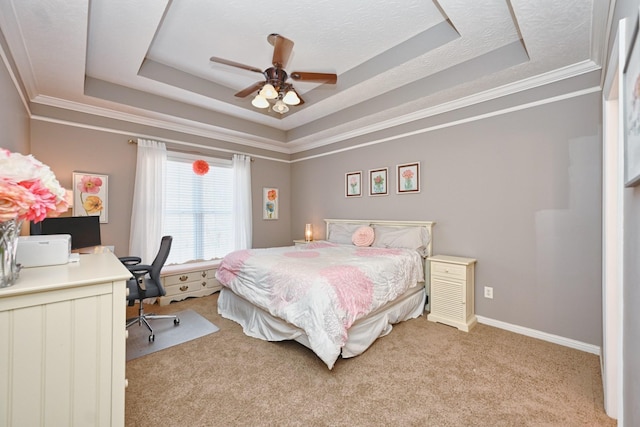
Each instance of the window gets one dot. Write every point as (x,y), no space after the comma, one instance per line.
(198,211)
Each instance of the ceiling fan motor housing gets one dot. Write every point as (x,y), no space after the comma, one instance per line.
(275,76)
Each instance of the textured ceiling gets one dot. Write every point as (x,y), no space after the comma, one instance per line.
(147,61)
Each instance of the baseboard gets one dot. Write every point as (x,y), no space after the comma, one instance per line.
(567,342)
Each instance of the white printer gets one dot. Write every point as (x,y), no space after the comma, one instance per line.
(42,250)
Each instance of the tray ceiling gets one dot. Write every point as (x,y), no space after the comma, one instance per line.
(148,61)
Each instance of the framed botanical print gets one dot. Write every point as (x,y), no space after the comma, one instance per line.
(270,201)
(353,184)
(378,182)
(408,178)
(90,192)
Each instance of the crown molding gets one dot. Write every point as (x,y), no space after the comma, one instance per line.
(14,78)
(400,135)
(167,122)
(171,123)
(499,92)
(154,137)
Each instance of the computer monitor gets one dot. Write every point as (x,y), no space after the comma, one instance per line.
(84,230)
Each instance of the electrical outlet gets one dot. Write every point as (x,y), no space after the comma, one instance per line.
(488,292)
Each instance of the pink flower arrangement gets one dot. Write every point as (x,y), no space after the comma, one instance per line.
(28,189)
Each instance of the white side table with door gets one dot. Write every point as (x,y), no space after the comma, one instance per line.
(452,291)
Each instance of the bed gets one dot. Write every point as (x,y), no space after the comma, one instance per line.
(334,296)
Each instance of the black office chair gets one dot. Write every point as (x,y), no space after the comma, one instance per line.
(146,283)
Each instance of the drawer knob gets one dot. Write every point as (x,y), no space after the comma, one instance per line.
(184,288)
(204,284)
(184,278)
(204,274)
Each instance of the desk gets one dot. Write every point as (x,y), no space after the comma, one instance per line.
(62,341)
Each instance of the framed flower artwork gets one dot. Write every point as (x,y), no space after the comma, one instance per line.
(408,178)
(90,195)
(270,201)
(353,184)
(378,182)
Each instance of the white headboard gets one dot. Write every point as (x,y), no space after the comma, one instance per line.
(428,225)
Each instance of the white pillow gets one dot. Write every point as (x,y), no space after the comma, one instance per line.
(342,233)
(402,237)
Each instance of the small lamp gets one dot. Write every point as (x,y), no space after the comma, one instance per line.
(308,233)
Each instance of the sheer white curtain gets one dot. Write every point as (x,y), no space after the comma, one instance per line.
(242,201)
(148,200)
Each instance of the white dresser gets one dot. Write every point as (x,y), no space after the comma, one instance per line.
(189,280)
(452,291)
(62,345)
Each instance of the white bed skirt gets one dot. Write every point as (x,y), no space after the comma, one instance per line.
(260,324)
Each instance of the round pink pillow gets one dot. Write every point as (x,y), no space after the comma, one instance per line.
(363,236)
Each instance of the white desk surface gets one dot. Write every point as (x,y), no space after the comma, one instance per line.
(91,269)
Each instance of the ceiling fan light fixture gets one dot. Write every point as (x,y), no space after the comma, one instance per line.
(280,107)
(268,92)
(291,98)
(260,102)
(275,89)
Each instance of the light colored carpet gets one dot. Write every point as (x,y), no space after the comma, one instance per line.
(191,326)
(421,374)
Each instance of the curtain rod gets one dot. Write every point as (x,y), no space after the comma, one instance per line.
(134,142)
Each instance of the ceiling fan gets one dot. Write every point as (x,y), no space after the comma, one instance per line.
(275,86)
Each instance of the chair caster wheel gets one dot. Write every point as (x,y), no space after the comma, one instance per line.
(176,321)
(152,338)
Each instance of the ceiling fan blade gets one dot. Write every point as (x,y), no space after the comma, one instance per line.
(248,91)
(235,64)
(314,77)
(282,48)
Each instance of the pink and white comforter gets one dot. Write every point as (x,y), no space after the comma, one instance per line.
(322,288)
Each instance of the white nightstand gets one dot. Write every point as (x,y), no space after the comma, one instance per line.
(452,291)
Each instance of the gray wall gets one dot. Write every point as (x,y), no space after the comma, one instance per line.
(521,192)
(631,290)
(14,117)
(69,148)
(631,317)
